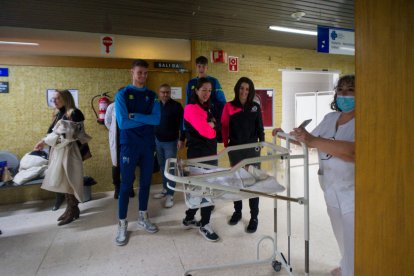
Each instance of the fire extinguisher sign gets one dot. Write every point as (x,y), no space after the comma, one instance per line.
(233,64)
(107,45)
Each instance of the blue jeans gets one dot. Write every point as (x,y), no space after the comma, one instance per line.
(166,150)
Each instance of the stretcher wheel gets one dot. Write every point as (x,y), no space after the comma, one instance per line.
(277,266)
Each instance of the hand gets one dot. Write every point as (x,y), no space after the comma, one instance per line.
(40,145)
(212,124)
(302,135)
(180,144)
(276,130)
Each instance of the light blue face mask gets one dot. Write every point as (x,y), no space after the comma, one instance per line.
(345,103)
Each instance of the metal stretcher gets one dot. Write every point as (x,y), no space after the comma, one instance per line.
(204,184)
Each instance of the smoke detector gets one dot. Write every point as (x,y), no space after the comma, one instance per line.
(298,15)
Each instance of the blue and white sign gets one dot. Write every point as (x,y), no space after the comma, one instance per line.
(336,40)
(4,72)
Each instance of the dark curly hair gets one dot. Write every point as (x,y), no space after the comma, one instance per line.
(251,94)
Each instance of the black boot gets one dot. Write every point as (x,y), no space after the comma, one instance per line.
(252,227)
(59,200)
(235,218)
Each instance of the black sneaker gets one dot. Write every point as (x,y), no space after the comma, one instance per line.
(252,227)
(208,233)
(189,224)
(235,218)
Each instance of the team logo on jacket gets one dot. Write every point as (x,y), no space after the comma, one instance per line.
(254,109)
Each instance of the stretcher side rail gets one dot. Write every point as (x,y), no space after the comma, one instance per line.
(277,259)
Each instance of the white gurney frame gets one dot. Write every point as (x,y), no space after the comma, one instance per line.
(197,180)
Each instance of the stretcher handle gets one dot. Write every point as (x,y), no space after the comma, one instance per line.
(298,200)
(285,135)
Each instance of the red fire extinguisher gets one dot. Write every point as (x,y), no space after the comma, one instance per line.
(103,103)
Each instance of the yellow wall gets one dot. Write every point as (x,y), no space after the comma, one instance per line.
(24,116)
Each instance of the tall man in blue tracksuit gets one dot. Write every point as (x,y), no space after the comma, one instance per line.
(218,100)
(137,112)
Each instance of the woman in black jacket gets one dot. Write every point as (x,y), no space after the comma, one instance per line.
(241,123)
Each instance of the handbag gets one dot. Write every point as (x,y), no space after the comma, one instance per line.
(85,151)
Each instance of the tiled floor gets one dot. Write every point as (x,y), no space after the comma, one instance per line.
(32,243)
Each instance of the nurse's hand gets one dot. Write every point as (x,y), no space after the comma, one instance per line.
(302,135)
(276,130)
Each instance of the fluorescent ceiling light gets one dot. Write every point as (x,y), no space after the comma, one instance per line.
(19,43)
(290,30)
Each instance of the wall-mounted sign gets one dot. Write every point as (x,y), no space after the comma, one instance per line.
(168,65)
(176,93)
(218,56)
(4,87)
(336,40)
(107,45)
(233,64)
(4,72)
(50,93)
(264,97)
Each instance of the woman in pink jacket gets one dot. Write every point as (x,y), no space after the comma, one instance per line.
(201,141)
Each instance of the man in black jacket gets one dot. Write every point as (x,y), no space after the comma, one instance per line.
(167,137)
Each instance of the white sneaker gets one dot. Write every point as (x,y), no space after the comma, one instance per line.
(161,194)
(145,224)
(169,201)
(122,234)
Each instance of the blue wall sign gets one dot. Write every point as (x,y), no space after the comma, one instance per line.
(4,87)
(4,72)
(336,40)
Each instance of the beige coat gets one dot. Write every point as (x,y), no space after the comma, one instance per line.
(65,171)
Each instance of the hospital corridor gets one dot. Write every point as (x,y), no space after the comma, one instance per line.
(195,138)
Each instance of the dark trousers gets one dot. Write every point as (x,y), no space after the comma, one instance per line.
(235,157)
(254,207)
(116,176)
(205,212)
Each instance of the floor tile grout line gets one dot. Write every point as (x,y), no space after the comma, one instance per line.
(47,252)
(179,255)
